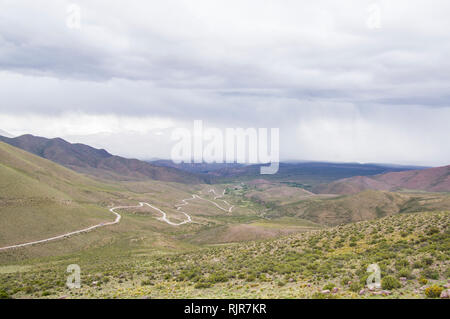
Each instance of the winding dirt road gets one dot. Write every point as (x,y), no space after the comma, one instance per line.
(116,221)
(118,218)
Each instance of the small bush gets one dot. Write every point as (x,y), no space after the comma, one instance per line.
(329,286)
(428,261)
(345,281)
(423,281)
(433,291)
(203,284)
(355,286)
(146,282)
(405,272)
(4,294)
(430,274)
(390,283)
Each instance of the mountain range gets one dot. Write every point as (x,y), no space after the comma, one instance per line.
(436,179)
(98,162)
(318,177)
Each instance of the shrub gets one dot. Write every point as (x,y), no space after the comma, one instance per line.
(218,277)
(355,286)
(146,282)
(405,272)
(433,291)
(428,261)
(202,284)
(430,274)
(390,283)
(423,281)
(4,294)
(329,286)
(402,263)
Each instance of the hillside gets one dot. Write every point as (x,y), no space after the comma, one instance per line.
(39,198)
(98,162)
(435,179)
(410,249)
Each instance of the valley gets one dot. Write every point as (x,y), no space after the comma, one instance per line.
(244,237)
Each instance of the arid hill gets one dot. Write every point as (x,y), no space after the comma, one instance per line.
(435,179)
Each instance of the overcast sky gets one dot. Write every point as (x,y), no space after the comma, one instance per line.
(340,81)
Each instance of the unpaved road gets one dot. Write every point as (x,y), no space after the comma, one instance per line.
(118,218)
(116,221)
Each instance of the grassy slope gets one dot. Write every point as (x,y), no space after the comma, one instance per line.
(412,245)
(330,210)
(39,198)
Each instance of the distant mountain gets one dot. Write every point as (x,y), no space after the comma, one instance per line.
(5,134)
(288,170)
(435,179)
(203,168)
(305,174)
(98,162)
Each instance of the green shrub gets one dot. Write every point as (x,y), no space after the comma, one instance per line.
(218,277)
(203,284)
(329,286)
(405,272)
(402,263)
(430,274)
(4,294)
(428,261)
(146,282)
(433,291)
(423,281)
(355,286)
(390,283)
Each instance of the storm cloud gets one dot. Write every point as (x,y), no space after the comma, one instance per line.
(338,88)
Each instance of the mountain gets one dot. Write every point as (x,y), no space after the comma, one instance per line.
(98,162)
(306,174)
(202,168)
(40,199)
(435,179)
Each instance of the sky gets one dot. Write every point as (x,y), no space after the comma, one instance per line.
(345,81)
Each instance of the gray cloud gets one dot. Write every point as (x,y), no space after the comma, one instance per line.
(236,63)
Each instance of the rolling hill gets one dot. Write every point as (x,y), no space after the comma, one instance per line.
(40,199)
(98,162)
(435,179)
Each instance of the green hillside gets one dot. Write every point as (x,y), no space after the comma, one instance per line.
(412,251)
(40,199)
